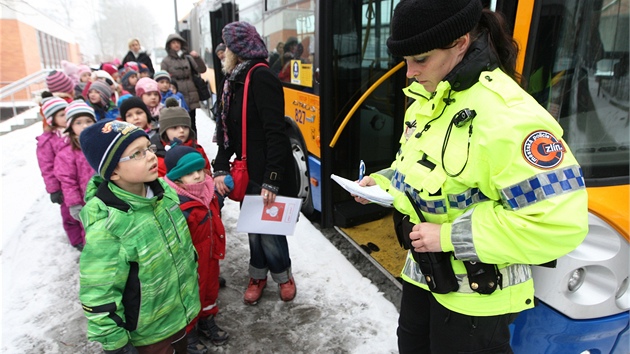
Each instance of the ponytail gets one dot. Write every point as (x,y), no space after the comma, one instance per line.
(500,41)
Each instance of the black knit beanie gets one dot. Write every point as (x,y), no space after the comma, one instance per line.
(419,26)
(134,102)
(104,142)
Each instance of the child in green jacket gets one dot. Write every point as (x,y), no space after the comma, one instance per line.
(138,271)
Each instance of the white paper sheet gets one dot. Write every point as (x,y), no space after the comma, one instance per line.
(277,219)
(372,193)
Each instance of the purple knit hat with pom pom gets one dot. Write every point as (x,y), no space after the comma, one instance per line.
(59,82)
(243,40)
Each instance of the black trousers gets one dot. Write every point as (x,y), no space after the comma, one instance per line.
(425,326)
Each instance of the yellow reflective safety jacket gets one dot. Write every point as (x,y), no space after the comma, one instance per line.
(520,198)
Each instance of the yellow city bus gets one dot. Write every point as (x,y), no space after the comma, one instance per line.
(343,97)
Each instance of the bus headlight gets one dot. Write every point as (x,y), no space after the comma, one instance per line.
(623,288)
(576,280)
(592,281)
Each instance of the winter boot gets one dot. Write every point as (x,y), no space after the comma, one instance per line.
(287,290)
(195,346)
(254,291)
(209,329)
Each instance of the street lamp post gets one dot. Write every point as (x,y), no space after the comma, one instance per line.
(176,21)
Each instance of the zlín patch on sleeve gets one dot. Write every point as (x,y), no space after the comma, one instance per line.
(541,149)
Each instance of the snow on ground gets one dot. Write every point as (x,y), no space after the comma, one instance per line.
(336,310)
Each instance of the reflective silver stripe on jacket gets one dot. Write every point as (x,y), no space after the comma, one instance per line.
(461,237)
(513,274)
(387,173)
(543,186)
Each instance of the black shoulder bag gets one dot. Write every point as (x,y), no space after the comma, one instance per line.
(203,89)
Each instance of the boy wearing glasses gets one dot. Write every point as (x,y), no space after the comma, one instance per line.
(138,273)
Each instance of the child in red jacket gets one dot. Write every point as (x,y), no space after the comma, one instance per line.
(174,124)
(187,174)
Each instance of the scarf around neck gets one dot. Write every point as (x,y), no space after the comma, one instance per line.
(155,111)
(226,97)
(202,192)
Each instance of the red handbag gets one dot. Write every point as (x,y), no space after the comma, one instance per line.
(238,168)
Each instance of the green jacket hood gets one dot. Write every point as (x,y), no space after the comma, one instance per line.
(101,194)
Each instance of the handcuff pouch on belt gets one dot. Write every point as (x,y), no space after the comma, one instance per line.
(483,278)
(437,269)
(435,266)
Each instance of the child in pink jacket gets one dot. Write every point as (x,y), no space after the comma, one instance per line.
(71,168)
(48,146)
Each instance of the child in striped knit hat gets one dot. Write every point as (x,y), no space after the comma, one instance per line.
(49,144)
(59,85)
(71,168)
(99,98)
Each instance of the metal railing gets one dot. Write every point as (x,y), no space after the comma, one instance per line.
(23,84)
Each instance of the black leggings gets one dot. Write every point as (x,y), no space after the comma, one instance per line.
(425,326)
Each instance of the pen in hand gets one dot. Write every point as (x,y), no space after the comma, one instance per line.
(361,170)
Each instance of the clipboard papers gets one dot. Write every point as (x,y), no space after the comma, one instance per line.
(372,193)
(278,218)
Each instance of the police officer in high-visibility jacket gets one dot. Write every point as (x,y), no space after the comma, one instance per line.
(484,185)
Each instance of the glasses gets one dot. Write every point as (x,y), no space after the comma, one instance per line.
(139,155)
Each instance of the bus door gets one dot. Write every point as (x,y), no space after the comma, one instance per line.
(327,55)
(354,57)
(218,19)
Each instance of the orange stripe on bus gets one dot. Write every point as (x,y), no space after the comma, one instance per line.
(611,204)
(521,30)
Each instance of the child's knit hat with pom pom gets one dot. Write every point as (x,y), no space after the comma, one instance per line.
(173,116)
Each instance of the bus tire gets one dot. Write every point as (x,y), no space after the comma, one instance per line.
(300,158)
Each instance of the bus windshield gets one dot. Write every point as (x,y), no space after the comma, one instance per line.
(579,72)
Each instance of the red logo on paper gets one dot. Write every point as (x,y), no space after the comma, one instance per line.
(274,212)
(541,149)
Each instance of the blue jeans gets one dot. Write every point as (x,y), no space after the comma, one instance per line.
(269,253)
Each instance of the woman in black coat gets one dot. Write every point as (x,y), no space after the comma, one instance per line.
(269,156)
(138,55)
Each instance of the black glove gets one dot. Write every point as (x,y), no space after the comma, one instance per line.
(127,349)
(56,197)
